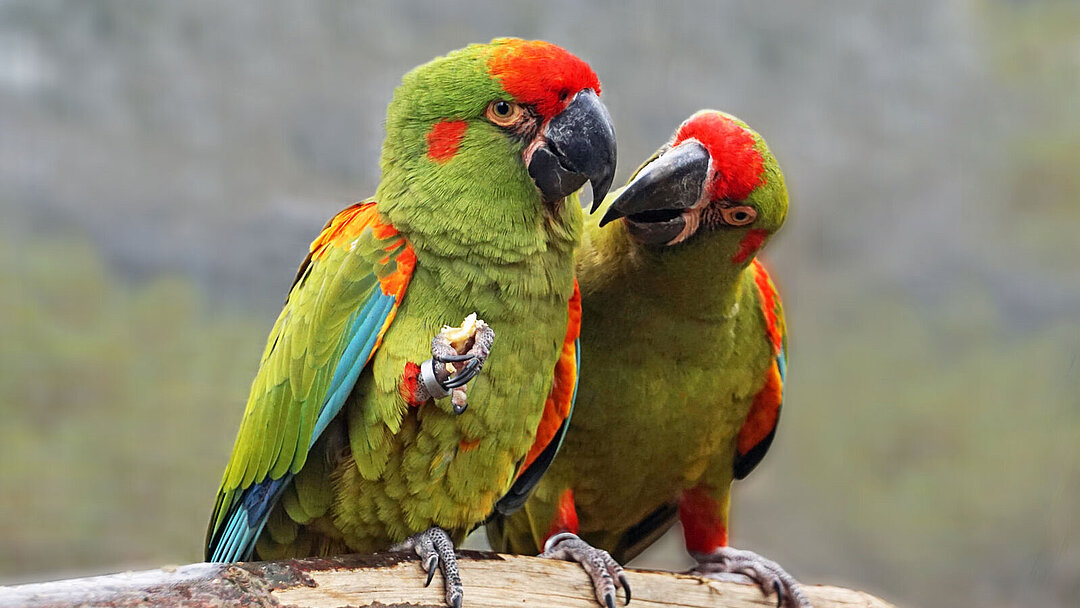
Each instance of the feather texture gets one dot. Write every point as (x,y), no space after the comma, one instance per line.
(330,456)
(685,354)
(338,300)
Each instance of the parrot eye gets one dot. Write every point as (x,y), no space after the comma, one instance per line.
(738,216)
(503,113)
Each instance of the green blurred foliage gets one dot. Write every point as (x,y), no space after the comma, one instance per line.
(1033,48)
(936,441)
(941,453)
(118,404)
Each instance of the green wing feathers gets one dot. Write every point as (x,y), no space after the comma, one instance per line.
(343,299)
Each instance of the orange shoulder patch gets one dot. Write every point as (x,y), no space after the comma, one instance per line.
(764,412)
(342,231)
(770,306)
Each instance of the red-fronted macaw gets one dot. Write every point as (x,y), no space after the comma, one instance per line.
(684,354)
(348,443)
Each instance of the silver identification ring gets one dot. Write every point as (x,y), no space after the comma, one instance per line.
(431,382)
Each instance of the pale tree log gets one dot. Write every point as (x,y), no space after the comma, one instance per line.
(395,580)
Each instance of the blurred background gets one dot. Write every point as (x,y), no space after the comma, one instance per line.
(163,167)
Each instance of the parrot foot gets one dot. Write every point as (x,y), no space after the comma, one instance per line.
(461,351)
(736,565)
(606,573)
(437,550)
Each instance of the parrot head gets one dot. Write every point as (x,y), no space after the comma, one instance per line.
(498,133)
(714,183)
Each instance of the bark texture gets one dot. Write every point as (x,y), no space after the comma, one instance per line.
(396,580)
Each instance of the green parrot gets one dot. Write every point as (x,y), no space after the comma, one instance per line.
(349,442)
(684,348)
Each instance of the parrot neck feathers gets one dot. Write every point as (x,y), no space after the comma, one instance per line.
(696,275)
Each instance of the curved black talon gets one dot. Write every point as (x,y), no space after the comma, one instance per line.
(456,381)
(467,373)
(470,371)
(453,358)
(436,551)
(602,569)
(432,563)
(765,573)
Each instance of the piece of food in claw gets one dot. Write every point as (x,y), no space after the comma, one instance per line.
(461,339)
(459,336)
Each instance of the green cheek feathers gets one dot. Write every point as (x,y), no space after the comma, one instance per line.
(444,138)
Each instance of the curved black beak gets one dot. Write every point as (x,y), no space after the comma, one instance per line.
(579,146)
(655,199)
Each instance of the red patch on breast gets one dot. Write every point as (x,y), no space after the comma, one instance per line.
(737,164)
(410,380)
(540,74)
(702,517)
(444,138)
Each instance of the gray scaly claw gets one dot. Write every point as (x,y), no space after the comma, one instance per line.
(730,564)
(606,573)
(435,373)
(437,550)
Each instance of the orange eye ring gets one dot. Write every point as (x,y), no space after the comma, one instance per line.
(503,113)
(738,216)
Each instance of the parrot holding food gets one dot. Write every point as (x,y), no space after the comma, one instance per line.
(362,432)
(684,354)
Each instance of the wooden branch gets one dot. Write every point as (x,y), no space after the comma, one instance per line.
(395,580)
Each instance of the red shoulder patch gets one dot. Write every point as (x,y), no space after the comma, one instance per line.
(539,73)
(737,164)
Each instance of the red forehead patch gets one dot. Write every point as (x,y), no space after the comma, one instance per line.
(539,73)
(738,165)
